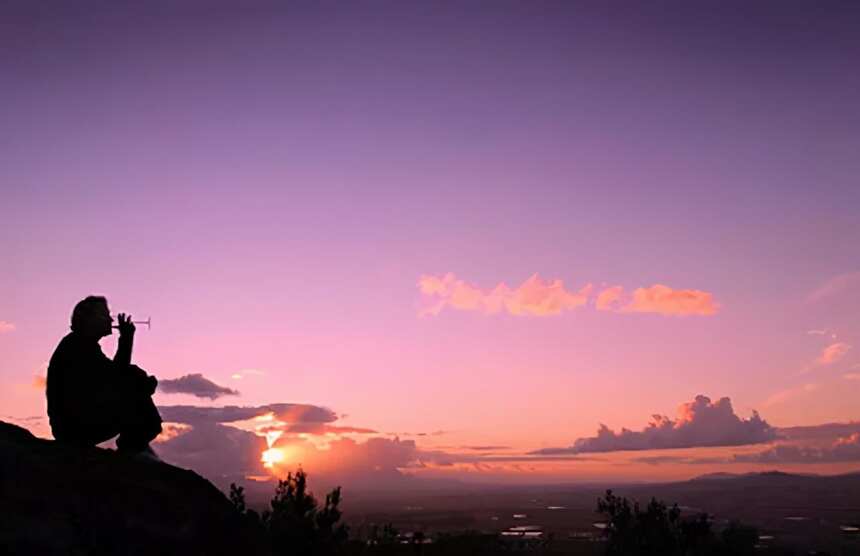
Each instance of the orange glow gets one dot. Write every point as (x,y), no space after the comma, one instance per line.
(272,456)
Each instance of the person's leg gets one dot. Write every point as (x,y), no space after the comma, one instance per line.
(88,431)
(141,422)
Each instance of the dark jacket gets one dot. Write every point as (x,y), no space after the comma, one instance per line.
(86,390)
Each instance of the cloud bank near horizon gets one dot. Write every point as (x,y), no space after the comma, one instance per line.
(210,441)
(196,385)
(843,449)
(285,412)
(700,423)
(539,297)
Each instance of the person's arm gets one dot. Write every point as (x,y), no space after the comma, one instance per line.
(126,341)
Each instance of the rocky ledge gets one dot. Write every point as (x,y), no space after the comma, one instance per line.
(56,499)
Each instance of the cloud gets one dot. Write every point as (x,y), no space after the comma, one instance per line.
(247,372)
(6,327)
(851,376)
(348,457)
(40,382)
(28,419)
(833,353)
(699,423)
(219,452)
(322,428)
(827,432)
(788,394)
(227,444)
(834,286)
(196,385)
(682,460)
(286,412)
(664,300)
(609,299)
(843,449)
(825,443)
(537,297)
(534,297)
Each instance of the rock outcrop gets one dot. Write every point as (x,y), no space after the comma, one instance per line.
(56,499)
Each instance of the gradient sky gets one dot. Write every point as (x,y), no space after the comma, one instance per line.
(273,184)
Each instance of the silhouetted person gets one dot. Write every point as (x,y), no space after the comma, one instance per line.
(92,398)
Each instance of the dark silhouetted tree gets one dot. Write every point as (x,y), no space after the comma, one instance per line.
(297,525)
(659,530)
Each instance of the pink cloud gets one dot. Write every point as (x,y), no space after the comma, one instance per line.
(833,353)
(6,326)
(608,299)
(667,301)
(534,297)
(537,297)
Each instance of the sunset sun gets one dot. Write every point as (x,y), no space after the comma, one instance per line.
(272,456)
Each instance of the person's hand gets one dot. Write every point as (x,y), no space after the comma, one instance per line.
(126,327)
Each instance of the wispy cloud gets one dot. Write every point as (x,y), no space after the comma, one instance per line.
(834,286)
(833,353)
(538,297)
(789,394)
(196,385)
(700,423)
(286,412)
(6,326)
(247,372)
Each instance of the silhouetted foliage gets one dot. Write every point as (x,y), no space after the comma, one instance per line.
(296,524)
(659,530)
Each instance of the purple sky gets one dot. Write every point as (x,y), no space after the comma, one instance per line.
(271,182)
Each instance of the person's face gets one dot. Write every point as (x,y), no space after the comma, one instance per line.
(101,320)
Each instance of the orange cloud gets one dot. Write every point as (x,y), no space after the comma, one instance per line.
(666,301)
(538,297)
(608,299)
(6,326)
(833,353)
(534,297)
(40,382)
(658,299)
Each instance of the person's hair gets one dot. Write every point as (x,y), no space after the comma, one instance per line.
(84,309)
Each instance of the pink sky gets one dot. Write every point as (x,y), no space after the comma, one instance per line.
(457,229)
